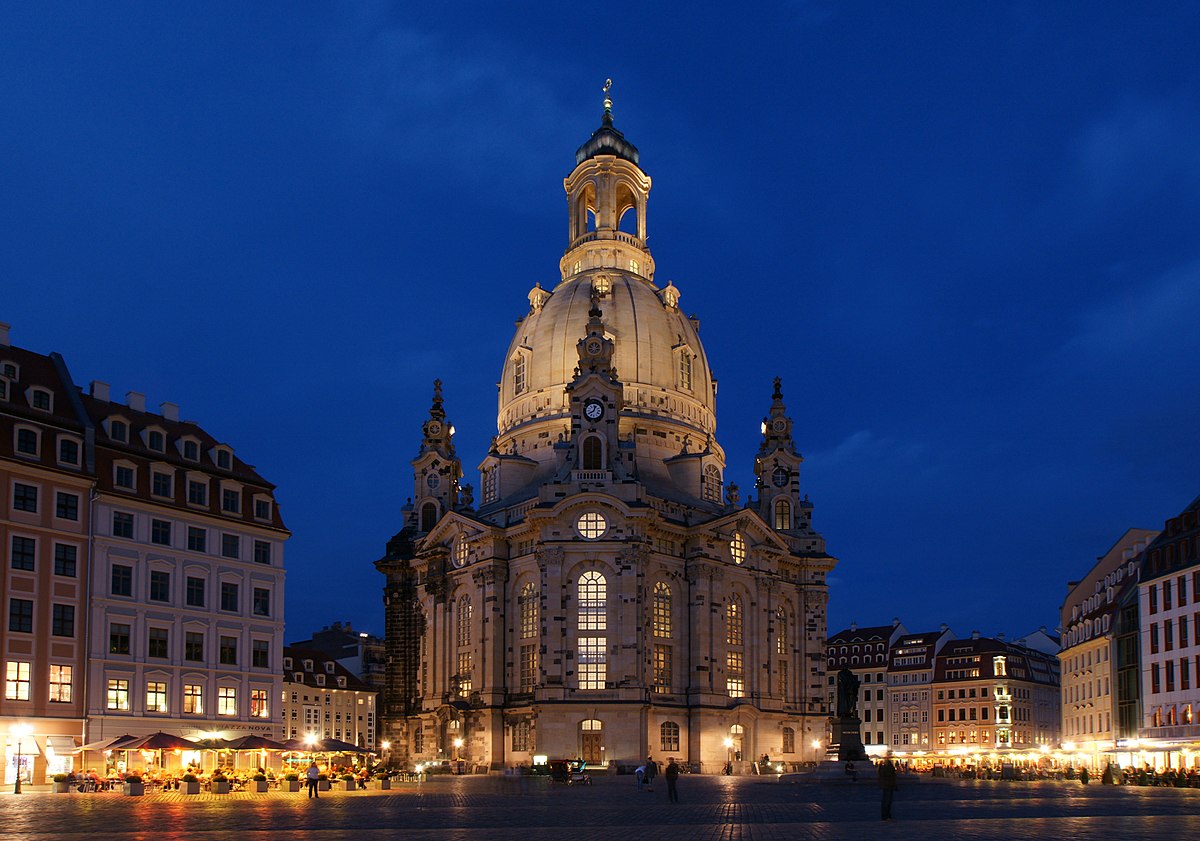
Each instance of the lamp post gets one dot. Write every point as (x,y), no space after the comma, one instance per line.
(20,731)
(385,745)
(458,743)
(728,755)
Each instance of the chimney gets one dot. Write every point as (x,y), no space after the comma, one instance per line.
(853,626)
(895,621)
(169,411)
(4,328)
(135,400)
(99,390)
(974,635)
(945,627)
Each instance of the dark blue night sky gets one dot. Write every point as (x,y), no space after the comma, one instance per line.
(966,235)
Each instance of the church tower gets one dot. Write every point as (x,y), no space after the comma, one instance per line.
(607,598)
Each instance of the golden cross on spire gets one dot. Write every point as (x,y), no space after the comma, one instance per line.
(607,98)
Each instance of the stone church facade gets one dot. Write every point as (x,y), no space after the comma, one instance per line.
(608,596)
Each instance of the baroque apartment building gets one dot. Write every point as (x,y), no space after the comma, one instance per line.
(864,651)
(1169,604)
(45,508)
(322,699)
(609,595)
(1088,657)
(143,585)
(912,659)
(990,695)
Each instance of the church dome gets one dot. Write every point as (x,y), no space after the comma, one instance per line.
(657,354)
(669,390)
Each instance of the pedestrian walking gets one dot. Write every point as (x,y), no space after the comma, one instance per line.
(672,776)
(311,775)
(651,772)
(887,785)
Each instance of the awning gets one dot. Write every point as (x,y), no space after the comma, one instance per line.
(60,745)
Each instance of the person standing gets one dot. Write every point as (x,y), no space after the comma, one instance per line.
(887,785)
(651,772)
(672,776)
(311,775)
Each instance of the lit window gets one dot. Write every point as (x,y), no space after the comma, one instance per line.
(193,699)
(661,610)
(227,700)
(258,704)
(460,551)
(118,693)
(593,602)
(16,681)
(463,621)
(735,674)
(156,697)
(60,683)
(734,621)
(529,667)
(593,668)
(783,514)
(662,668)
(591,525)
(737,548)
(528,604)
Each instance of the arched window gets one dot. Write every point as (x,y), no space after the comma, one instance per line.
(591,725)
(593,602)
(783,514)
(519,382)
(669,736)
(520,735)
(789,740)
(781,645)
(428,516)
(528,603)
(461,549)
(711,484)
(661,610)
(734,621)
(685,368)
(593,453)
(592,646)
(463,621)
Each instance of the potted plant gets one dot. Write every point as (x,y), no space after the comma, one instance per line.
(350,781)
(385,781)
(133,786)
(220,784)
(61,784)
(322,782)
(189,784)
(292,782)
(260,782)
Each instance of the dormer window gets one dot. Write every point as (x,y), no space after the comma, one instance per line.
(262,508)
(329,666)
(68,451)
(28,441)
(39,398)
(308,664)
(341,681)
(519,377)
(684,367)
(224,459)
(299,677)
(320,680)
(10,370)
(191,450)
(118,430)
(287,663)
(156,440)
(3,388)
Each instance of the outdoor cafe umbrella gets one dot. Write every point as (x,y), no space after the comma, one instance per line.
(103,746)
(337,746)
(256,744)
(160,742)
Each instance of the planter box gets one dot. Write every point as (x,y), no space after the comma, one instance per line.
(134,789)
(61,788)
(322,785)
(350,785)
(291,785)
(385,785)
(220,788)
(260,785)
(190,787)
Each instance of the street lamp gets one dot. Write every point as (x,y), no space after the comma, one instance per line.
(20,731)
(728,755)
(458,743)
(385,745)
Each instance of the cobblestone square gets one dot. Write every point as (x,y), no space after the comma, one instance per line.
(711,808)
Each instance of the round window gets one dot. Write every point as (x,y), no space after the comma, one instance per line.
(591,525)
(433,480)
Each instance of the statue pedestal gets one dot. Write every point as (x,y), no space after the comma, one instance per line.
(847,738)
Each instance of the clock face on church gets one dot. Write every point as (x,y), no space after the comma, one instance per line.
(593,410)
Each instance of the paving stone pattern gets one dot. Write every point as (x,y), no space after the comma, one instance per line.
(712,809)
